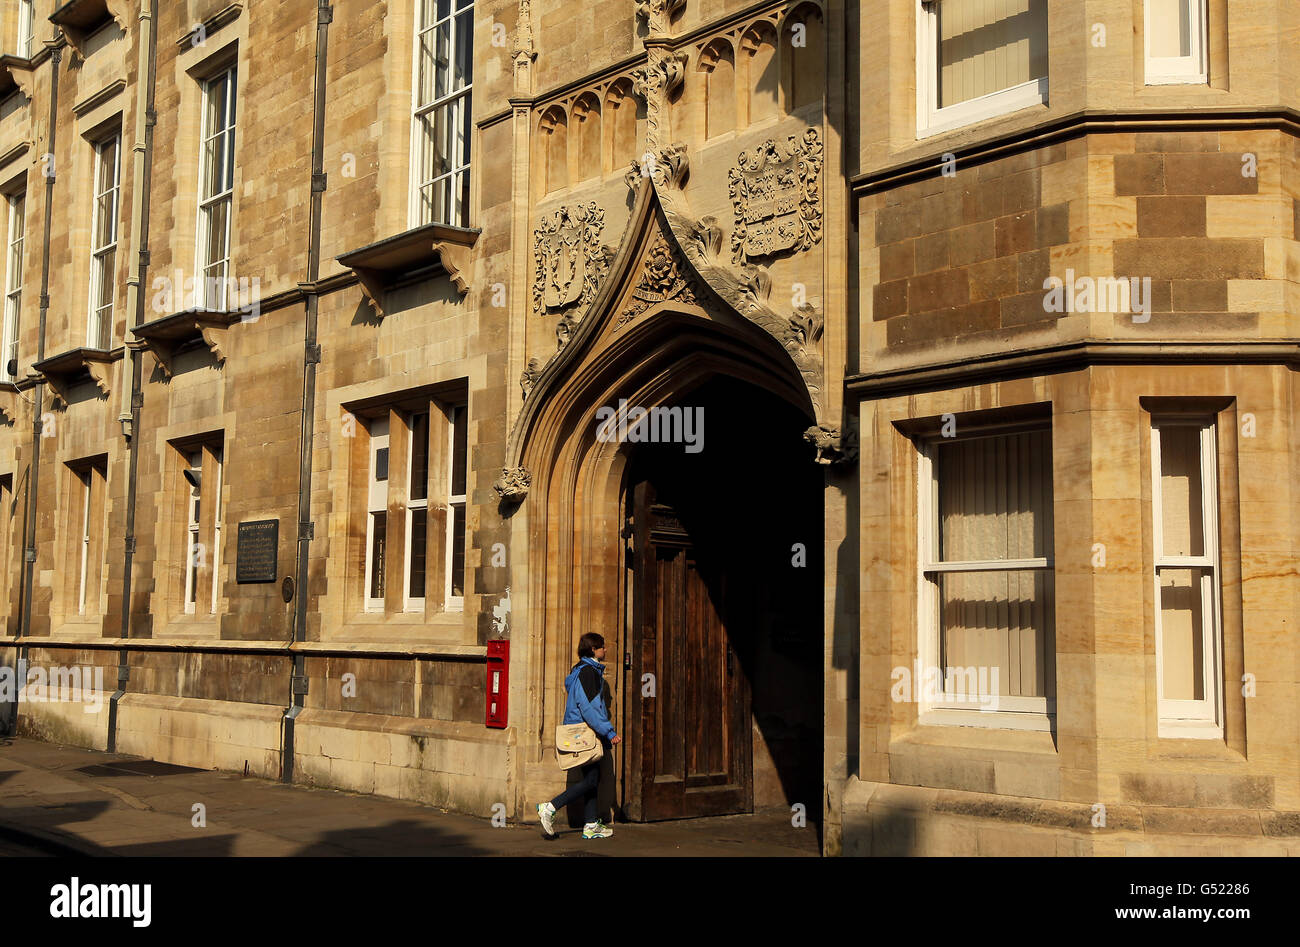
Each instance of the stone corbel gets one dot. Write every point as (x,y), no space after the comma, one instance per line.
(80,18)
(214,337)
(9,402)
(455,260)
(833,446)
(513,485)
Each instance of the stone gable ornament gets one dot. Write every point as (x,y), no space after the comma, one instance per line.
(775,193)
(663,278)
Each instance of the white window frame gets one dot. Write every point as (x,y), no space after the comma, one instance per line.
(103,259)
(218,458)
(376,502)
(1192,69)
(1196,719)
(455,603)
(89,484)
(26,27)
(455,102)
(208,203)
(1008,712)
(193,461)
(412,603)
(932,120)
(17,230)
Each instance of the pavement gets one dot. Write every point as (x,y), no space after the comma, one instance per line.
(61,800)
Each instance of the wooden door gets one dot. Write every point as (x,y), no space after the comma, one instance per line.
(690,741)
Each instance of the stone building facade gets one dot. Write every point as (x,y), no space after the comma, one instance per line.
(905,393)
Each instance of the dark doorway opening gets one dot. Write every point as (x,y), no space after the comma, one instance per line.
(723,613)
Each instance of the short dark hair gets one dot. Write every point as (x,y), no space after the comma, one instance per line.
(588,644)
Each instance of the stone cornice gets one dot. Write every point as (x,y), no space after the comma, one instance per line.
(1072,126)
(1073,356)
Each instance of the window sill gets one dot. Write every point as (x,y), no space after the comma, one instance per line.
(985,108)
(66,370)
(986,720)
(979,738)
(1189,730)
(166,336)
(428,250)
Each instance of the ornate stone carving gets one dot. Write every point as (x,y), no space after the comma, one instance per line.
(775,192)
(529,377)
(512,486)
(668,168)
(569,259)
(664,277)
(654,82)
(832,445)
(658,12)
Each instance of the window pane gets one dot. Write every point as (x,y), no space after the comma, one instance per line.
(995,497)
(420,456)
(1000,624)
(419,547)
(380,529)
(381,464)
(458,550)
(1180,491)
(458,452)
(989,45)
(464,50)
(1170,23)
(1182,634)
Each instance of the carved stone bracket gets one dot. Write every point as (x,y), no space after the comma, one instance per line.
(776,196)
(833,446)
(9,402)
(61,372)
(423,248)
(513,484)
(164,337)
(529,377)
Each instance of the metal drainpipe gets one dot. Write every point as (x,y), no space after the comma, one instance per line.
(311,358)
(38,409)
(133,397)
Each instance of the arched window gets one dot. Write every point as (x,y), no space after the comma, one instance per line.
(718,63)
(758,53)
(553,151)
(803,51)
(624,126)
(586,138)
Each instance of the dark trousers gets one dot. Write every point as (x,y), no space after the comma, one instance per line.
(586,788)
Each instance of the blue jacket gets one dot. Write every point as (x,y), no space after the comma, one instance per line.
(580,708)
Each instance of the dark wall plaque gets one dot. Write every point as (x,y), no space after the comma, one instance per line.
(256,551)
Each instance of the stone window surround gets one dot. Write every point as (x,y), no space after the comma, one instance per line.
(225,46)
(347,619)
(922,432)
(67,618)
(166,604)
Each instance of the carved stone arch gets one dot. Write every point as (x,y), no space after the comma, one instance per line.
(653,278)
(585,160)
(717,63)
(759,69)
(803,68)
(623,123)
(551,156)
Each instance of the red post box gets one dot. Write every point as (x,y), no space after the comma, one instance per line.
(498,682)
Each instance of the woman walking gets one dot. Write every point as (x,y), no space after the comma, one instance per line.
(585,704)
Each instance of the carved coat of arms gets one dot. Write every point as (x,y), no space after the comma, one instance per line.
(775,191)
(569,259)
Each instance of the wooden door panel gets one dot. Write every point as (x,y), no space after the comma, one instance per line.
(691,743)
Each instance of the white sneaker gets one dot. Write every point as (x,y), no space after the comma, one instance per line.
(546,812)
(596,829)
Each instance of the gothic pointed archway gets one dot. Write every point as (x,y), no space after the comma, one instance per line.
(657,336)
